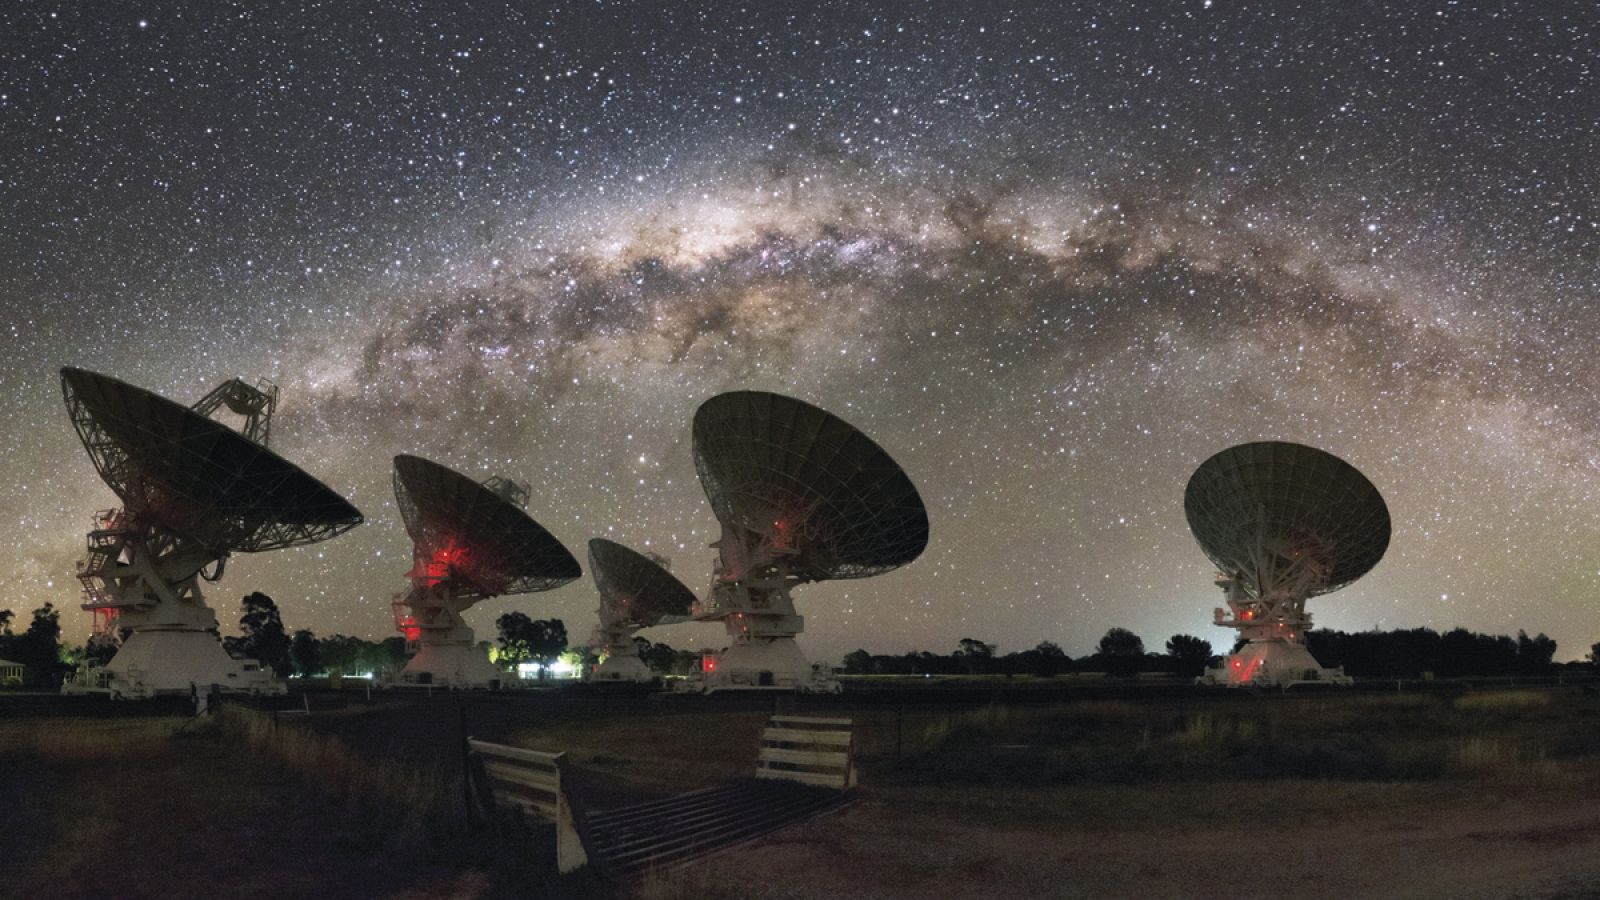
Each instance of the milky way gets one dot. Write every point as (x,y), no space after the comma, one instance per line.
(1050,260)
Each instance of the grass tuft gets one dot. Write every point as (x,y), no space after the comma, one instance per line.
(1497,736)
(79,740)
(1503,760)
(1500,700)
(390,804)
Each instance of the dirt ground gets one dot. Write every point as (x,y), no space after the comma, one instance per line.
(1338,841)
(136,809)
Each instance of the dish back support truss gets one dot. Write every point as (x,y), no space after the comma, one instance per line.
(193,476)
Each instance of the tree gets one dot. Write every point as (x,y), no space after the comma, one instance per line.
(305,653)
(540,640)
(1594,654)
(685,662)
(1190,655)
(1046,660)
(100,650)
(547,640)
(1120,642)
(263,637)
(1534,655)
(975,655)
(389,654)
(1120,651)
(660,658)
(6,637)
(582,659)
(513,628)
(39,647)
(858,662)
(341,654)
(975,647)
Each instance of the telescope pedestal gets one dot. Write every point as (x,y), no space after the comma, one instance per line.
(446,648)
(766,664)
(146,583)
(452,664)
(178,661)
(622,662)
(622,668)
(750,597)
(1273,663)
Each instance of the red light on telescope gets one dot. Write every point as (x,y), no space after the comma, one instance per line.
(445,562)
(410,628)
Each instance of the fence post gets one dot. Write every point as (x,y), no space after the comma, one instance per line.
(466,764)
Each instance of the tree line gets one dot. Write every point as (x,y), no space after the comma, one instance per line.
(1118,652)
(1412,652)
(1403,653)
(38,647)
(262,637)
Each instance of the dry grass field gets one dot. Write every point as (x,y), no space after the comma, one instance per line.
(1438,794)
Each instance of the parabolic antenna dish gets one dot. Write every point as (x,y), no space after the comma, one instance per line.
(634,589)
(809,482)
(195,476)
(474,537)
(1260,511)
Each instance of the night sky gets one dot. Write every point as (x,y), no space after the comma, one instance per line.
(1051,260)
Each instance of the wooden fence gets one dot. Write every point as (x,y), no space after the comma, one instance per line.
(804,767)
(808,750)
(530,781)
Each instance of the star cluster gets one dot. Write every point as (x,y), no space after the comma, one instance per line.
(1051,258)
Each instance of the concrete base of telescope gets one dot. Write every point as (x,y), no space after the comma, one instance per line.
(1273,663)
(452,665)
(622,668)
(765,664)
(167,661)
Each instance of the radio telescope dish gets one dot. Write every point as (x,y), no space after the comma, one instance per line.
(1283,522)
(470,541)
(195,476)
(194,491)
(802,496)
(636,591)
(811,482)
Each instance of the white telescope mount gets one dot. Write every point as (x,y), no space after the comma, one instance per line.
(142,585)
(621,663)
(1273,625)
(446,653)
(750,595)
